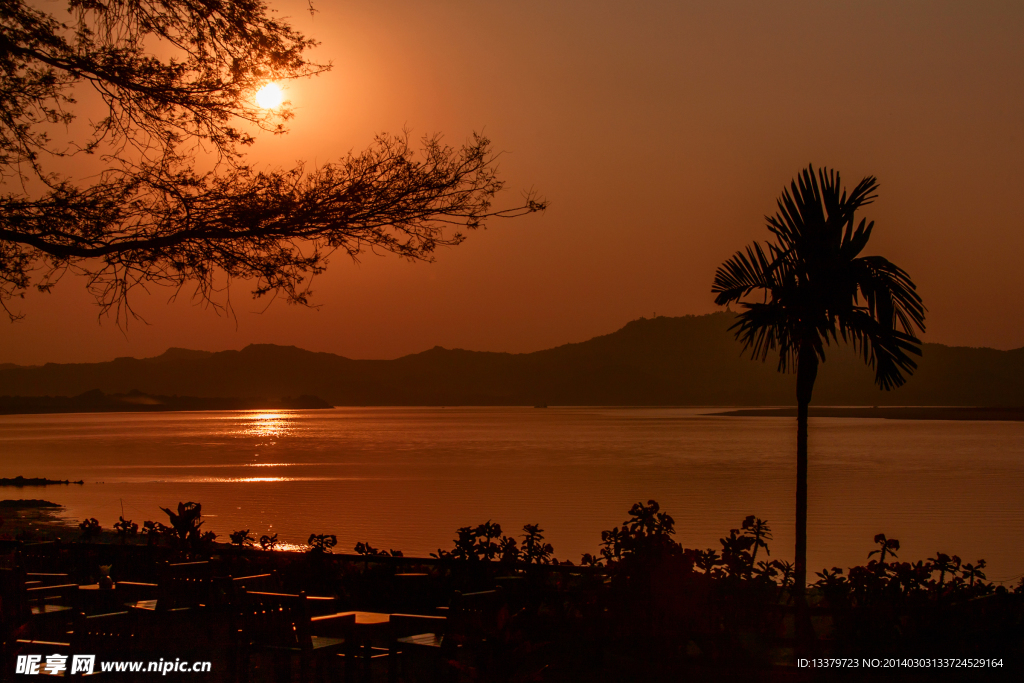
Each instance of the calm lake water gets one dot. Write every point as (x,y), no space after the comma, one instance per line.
(406,478)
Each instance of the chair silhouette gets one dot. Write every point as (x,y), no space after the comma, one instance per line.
(417,636)
(477,625)
(107,636)
(186,584)
(47,608)
(280,624)
(228,590)
(46,579)
(115,633)
(38,556)
(472,630)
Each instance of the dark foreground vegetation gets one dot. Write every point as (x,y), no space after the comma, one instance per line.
(643,608)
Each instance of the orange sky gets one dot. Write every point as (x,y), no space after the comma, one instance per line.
(661,133)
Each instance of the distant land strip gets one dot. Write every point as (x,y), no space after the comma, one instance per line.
(137,402)
(34,481)
(29,504)
(891,413)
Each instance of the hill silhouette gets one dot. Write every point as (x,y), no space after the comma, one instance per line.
(690,360)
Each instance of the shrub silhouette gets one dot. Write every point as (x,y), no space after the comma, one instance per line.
(90,528)
(242,538)
(885,545)
(368,550)
(757,529)
(125,528)
(321,544)
(185,526)
(268,543)
(534,550)
(486,542)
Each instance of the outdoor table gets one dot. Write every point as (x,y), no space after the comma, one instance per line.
(370,627)
(320,604)
(96,600)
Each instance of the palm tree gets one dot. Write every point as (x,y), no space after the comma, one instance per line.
(812,288)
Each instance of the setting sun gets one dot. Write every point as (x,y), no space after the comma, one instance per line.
(270,96)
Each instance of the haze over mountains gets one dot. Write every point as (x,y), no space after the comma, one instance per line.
(690,360)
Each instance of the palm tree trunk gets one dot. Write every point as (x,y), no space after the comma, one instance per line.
(806,373)
(801,497)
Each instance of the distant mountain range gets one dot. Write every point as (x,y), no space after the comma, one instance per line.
(691,360)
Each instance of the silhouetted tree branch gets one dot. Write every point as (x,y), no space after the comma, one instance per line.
(176,80)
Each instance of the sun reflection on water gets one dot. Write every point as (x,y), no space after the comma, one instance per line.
(292,547)
(266,424)
(260,480)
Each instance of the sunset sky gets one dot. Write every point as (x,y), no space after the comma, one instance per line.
(661,133)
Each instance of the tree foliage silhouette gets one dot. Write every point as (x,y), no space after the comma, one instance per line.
(174,81)
(815,289)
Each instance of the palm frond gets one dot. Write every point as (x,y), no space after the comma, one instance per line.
(817,289)
(765,327)
(800,210)
(742,274)
(882,348)
(890,294)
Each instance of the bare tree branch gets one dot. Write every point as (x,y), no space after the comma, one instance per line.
(150,217)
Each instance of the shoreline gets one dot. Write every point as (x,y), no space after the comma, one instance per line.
(30,521)
(137,402)
(953,413)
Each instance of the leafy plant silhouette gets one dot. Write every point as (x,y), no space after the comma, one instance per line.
(486,534)
(242,538)
(944,564)
(736,556)
(125,528)
(155,531)
(509,550)
(482,542)
(322,544)
(707,560)
(368,550)
(90,528)
(811,288)
(972,572)
(534,549)
(268,543)
(787,570)
(648,531)
(758,530)
(185,526)
(885,545)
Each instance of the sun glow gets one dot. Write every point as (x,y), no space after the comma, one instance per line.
(270,96)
